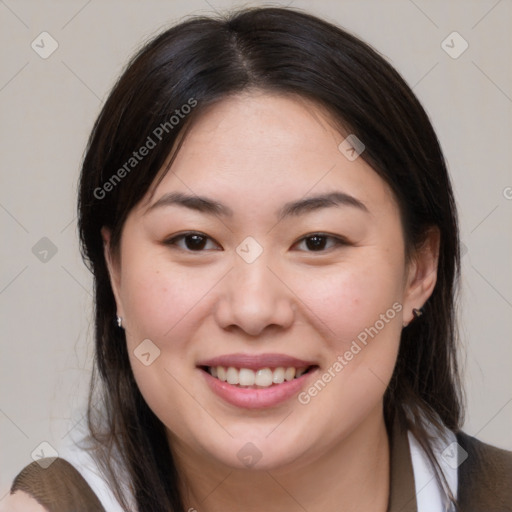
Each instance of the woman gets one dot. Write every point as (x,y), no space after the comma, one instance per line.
(271,228)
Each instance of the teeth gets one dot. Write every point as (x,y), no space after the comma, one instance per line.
(278,376)
(264,377)
(221,373)
(247,377)
(300,372)
(289,374)
(232,376)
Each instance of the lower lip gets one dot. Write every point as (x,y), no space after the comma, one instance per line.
(249,398)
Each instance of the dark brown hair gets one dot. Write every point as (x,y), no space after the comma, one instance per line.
(205,60)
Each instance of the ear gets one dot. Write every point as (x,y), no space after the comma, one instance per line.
(421,274)
(113,266)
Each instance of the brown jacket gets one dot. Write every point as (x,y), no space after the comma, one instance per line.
(484,481)
(484,478)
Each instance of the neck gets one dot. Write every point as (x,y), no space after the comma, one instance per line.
(352,475)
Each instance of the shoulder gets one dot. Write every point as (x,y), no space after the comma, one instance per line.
(20,501)
(51,482)
(485,476)
(83,456)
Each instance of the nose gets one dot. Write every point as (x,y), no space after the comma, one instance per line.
(255,297)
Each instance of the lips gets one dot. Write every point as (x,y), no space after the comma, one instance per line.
(257,361)
(256,381)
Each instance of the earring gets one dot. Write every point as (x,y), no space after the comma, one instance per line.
(417,312)
(119,321)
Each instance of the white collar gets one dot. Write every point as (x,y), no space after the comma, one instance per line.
(430,496)
(85,464)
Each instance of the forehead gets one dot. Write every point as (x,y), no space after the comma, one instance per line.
(258,126)
(257,149)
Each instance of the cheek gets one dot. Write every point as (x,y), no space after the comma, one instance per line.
(362,309)
(158,297)
(163,304)
(354,298)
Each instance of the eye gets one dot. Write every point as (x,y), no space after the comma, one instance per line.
(192,241)
(319,242)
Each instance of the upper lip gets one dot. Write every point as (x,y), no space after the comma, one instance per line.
(256,361)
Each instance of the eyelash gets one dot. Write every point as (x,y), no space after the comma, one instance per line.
(337,241)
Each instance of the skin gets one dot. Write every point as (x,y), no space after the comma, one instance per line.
(254,152)
(20,502)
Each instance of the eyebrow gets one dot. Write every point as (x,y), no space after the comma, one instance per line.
(295,208)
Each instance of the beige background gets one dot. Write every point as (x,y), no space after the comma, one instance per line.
(47,110)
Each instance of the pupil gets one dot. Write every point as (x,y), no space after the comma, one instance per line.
(316,242)
(195,242)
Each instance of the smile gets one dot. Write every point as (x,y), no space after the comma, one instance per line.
(256,381)
(261,378)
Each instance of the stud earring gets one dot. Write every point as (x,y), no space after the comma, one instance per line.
(119,321)
(417,312)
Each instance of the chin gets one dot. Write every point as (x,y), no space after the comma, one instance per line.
(259,451)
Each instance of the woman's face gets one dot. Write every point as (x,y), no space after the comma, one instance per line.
(291,261)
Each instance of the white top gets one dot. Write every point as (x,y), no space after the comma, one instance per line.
(87,467)
(430,496)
